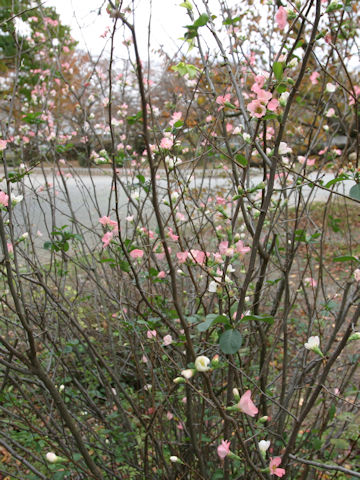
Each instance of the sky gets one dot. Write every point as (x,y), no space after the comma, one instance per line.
(87,25)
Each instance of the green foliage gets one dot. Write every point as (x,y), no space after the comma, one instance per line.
(60,241)
(230,341)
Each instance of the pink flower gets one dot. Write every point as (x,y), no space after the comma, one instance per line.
(240,247)
(309,162)
(175,118)
(256,109)
(172,235)
(106,239)
(273,105)
(260,80)
(357,274)
(220,201)
(151,334)
(169,416)
(166,143)
(281,18)
(246,405)
(311,282)
(10,247)
(314,78)
(198,256)
(357,93)
(263,95)
(182,256)
(224,249)
(167,340)
(107,221)
(3,145)
(161,274)
(274,463)
(137,253)
(221,100)
(4,199)
(223,449)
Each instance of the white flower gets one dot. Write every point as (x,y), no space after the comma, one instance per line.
(313,342)
(24,236)
(212,287)
(202,363)
(264,445)
(247,137)
(284,149)
(171,162)
(61,388)
(174,196)
(15,199)
(174,459)
(330,87)
(188,373)
(52,457)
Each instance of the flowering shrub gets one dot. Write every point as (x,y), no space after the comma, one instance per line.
(169,301)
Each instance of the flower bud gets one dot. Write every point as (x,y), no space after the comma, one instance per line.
(215,361)
(188,373)
(175,459)
(236,394)
(264,419)
(179,380)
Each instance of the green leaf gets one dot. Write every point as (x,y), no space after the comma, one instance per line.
(333,7)
(355,192)
(241,159)
(230,341)
(186,5)
(346,258)
(281,88)
(212,319)
(278,71)
(232,21)
(332,411)
(340,443)
(338,179)
(134,118)
(261,318)
(141,178)
(185,69)
(270,116)
(124,266)
(201,21)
